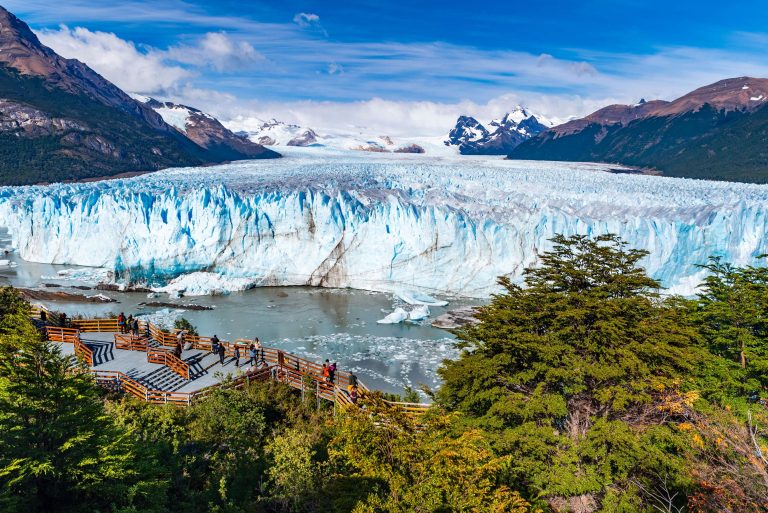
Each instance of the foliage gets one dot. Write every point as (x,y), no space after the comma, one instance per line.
(58,449)
(183,324)
(424,470)
(570,374)
(733,315)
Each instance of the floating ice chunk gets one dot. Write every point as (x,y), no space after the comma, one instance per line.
(399,315)
(7,263)
(153,295)
(413,297)
(419,313)
(205,284)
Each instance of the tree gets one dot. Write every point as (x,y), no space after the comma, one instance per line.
(425,469)
(58,449)
(564,372)
(733,316)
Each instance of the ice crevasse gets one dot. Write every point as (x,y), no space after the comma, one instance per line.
(440,226)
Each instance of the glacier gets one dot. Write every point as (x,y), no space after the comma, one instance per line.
(438,225)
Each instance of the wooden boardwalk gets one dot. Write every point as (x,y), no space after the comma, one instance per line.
(145,366)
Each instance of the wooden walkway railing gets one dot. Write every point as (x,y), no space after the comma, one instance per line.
(297,372)
(170,360)
(131,342)
(83,352)
(56,334)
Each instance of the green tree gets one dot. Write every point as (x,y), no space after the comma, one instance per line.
(733,317)
(564,372)
(410,468)
(58,449)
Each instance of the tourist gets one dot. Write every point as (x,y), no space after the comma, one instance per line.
(325,371)
(332,372)
(180,338)
(222,352)
(177,350)
(353,393)
(135,326)
(63,320)
(215,344)
(121,322)
(258,357)
(43,315)
(237,355)
(252,355)
(352,380)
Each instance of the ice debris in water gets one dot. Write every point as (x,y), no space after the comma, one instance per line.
(380,362)
(438,225)
(419,313)
(399,315)
(413,297)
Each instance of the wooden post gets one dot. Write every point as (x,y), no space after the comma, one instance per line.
(317,394)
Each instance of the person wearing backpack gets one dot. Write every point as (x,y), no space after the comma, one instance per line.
(237,355)
(215,344)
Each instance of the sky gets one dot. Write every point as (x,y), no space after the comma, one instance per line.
(404,68)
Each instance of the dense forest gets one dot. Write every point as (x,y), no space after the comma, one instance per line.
(584,389)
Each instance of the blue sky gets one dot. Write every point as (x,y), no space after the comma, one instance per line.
(334,58)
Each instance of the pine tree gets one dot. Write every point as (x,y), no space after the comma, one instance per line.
(59,452)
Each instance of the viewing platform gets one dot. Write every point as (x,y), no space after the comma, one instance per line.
(146,367)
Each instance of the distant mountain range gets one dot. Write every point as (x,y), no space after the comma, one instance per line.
(205,130)
(500,137)
(717,132)
(60,120)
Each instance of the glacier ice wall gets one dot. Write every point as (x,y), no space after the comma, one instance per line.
(378,222)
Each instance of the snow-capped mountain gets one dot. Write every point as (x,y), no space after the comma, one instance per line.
(499,137)
(273,132)
(280,133)
(204,129)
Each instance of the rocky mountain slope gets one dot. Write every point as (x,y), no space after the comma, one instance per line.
(60,120)
(499,138)
(718,132)
(206,131)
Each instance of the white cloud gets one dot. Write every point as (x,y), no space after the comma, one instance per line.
(216,50)
(116,59)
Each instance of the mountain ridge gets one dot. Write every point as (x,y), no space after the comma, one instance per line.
(62,121)
(718,131)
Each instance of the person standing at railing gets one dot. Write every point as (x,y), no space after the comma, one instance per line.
(215,344)
(222,352)
(332,372)
(237,355)
(252,355)
(135,327)
(352,389)
(326,371)
(121,322)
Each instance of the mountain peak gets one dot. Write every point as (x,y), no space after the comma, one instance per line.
(501,136)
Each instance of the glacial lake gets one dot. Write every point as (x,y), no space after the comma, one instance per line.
(338,324)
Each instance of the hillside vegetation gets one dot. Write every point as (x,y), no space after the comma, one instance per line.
(708,144)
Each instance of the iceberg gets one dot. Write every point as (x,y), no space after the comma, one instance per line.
(387,223)
(398,316)
(419,313)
